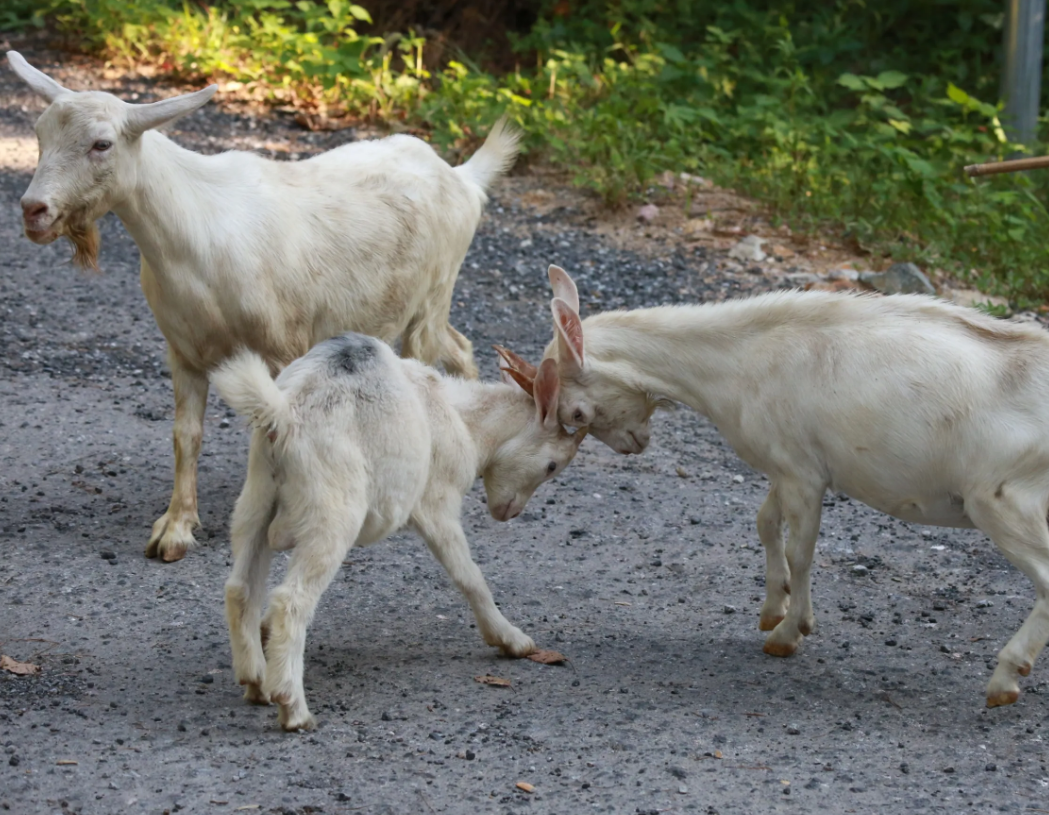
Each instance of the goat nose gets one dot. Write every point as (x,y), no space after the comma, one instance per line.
(33,209)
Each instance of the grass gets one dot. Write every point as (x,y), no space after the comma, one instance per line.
(847,116)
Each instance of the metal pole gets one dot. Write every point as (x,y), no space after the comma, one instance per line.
(1022,77)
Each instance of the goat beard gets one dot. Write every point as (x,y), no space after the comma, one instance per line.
(83,234)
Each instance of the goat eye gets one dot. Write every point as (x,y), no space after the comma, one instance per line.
(101,146)
(551,466)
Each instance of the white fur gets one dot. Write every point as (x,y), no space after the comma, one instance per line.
(352,444)
(930,412)
(239,251)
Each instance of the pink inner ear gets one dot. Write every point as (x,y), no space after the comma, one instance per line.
(564,287)
(547,388)
(571,329)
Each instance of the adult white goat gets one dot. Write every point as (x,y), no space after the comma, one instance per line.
(239,251)
(351,444)
(929,412)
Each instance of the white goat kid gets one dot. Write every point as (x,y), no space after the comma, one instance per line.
(239,251)
(927,411)
(351,444)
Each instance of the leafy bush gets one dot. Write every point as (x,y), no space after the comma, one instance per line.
(845,114)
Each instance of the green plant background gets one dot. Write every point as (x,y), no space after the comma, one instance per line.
(848,115)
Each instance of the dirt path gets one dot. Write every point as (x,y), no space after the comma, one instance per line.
(645,572)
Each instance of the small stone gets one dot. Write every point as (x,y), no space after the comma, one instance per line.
(738,479)
(729,609)
(14,761)
(905,768)
(682,472)
(939,605)
(682,790)
(748,249)
(385,716)
(860,570)
(207,679)
(900,278)
(224,423)
(793,730)
(695,520)
(470,755)
(948,769)
(107,554)
(677,772)
(656,562)
(991,767)
(648,213)
(984,603)
(890,643)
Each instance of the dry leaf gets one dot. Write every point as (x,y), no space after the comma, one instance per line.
(547,657)
(16,667)
(66,762)
(524,786)
(488,679)
(717,754)
(248,806)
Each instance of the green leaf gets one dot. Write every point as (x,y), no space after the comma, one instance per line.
(852,82)
(892,79)
(956,94)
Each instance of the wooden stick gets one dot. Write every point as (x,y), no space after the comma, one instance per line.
(1007,166)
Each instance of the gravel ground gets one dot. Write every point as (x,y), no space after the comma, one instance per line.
(645,572)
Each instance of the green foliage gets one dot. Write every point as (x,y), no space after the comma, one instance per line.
(846,114)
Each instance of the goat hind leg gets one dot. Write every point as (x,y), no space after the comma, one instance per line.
(172,534)
(246,586)
(315,560)
(458,355)
(1018,527)
(777,573)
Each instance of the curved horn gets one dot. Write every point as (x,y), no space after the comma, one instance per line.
(40,83)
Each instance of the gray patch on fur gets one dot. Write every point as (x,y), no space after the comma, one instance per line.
(350,353)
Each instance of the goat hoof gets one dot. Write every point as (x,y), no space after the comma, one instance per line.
(768,623)
(290,721)
(779,649)
(1006,697)
(173,553)
(806,627)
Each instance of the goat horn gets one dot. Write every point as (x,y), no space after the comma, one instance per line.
(516,363)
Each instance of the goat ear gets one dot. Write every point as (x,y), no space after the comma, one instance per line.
(40,83)
(141,118)
(569,336)
(564,287)
(547,389)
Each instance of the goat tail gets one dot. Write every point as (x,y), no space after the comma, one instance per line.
(496,155)
(245,383)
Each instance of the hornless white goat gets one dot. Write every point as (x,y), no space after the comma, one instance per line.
(351,444)
(239,251)
(927,411)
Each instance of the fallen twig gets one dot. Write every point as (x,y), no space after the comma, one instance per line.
(1014,166)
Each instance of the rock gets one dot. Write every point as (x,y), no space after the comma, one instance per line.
(900,278)
(748,249)
(860,570)
(738,479)
(729,610)
(648,213)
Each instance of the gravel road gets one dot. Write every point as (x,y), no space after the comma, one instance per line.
(644,571)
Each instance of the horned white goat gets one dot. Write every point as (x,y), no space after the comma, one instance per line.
(239,251)
(351,444)
(927,411)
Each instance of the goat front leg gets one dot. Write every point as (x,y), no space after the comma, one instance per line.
(777,573)
(802,505)
(444,536)
(1016,523)
(172,533)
